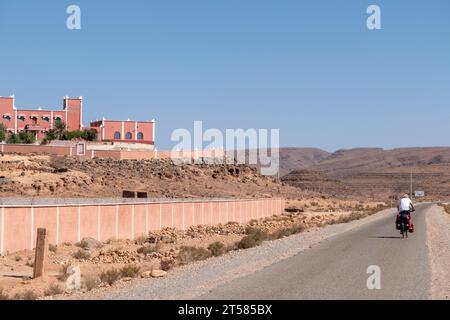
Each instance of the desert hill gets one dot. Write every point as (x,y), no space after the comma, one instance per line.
(376,172)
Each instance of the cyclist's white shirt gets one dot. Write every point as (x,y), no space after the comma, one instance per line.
(405,204)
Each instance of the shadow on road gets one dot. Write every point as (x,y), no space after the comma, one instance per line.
(386,237)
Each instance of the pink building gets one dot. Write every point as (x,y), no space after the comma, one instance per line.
(125,131)
(40,121)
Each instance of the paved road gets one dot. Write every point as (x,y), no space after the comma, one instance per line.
(337,268)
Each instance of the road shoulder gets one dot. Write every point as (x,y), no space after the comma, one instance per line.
(438,242)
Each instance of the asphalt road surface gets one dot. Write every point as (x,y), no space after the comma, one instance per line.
(337,267)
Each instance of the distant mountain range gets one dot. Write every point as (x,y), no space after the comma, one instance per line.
(369,171)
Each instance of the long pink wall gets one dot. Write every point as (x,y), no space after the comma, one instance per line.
(71,223)
(113,154)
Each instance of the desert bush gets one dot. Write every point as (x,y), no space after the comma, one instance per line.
(189,254)
(167,263)
(91,281)
(286,232)
(18,258)
(3,295)
(110,276)
(53,248)
(82,255)
(446,207)
(217,248)
(82,244)
(63,274)
(141,240)
(30,263)
(53,290)
(130,271)
(148,249)
(253,238)
(27,295)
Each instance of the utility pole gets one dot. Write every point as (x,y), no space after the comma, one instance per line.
(411,183)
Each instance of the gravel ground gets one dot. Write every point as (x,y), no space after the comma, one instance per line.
(438,223)
(194,280)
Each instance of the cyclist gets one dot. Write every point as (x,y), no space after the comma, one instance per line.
(405,207)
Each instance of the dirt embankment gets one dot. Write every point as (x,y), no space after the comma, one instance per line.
(46,176)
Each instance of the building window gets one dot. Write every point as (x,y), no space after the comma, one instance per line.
(128,136)
(21,118)
(7,117)
(140,136)
(46,119)
(34,120)
(117,135)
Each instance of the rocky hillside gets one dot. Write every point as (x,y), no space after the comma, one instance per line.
(47,176)
(317,182)
(300,158)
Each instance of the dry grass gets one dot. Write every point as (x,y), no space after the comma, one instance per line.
(53,290)
(52,248)
(26,295)
(286,232)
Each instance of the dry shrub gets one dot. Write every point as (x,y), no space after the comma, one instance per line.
(286,232)
(217,248)
(53,290)
(63,275)
(167,263)
(141,240)
(130,271)
(110,276)
(82,255)
(91,281)
(53,248)
(189,254)
(3,295)
(83,244)
(27,295)
(253,238)
(149,249)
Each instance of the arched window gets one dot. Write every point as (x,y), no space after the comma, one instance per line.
(117,135)
(128,136)
(7,117)
(140,136)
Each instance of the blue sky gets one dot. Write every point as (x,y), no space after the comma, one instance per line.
(309,68)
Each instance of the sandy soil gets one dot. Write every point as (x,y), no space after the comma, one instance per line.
(438,224)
